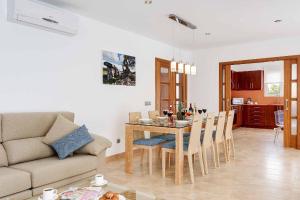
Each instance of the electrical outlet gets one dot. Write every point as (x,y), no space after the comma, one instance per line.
(147,103)
(118,141)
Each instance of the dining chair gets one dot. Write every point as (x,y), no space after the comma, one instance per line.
(140,142)
(191,146)
(207,141)
(279,122)
(229,136)
(218,137)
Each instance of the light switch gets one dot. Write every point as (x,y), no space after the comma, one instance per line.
(147,103)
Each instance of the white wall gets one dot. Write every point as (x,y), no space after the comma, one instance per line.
(45,71)
(205,85)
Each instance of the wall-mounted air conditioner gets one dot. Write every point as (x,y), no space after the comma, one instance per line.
(42,15)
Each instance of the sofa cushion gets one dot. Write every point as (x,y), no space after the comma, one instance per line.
(72,142)
(28,125)
(50,170)
(13,181)
(24,150)
(3,157)
(61,127)
(95,147)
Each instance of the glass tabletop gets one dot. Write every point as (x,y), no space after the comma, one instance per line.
(161,124)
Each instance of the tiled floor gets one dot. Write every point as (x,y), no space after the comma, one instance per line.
(262,170)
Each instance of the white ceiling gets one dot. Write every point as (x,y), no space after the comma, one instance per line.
(228,21)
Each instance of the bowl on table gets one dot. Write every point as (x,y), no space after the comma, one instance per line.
(145,121)
(181,122)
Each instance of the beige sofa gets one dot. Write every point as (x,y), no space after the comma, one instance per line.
(27,165)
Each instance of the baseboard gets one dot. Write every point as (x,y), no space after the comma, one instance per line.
(119,156)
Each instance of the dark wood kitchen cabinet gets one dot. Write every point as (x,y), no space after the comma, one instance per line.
(260,116)
(247,80)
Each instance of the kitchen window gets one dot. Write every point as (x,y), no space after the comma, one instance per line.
(274,89)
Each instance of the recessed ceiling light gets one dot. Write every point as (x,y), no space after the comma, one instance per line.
(277,20)
(207,34)
(148,2)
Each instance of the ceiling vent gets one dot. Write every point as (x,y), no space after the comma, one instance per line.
(182,21)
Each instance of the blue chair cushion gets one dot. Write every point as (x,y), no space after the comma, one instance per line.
(148,142)
(202,136)
(186,134)
(214,135)
(172,145)
(72,142)
(166,137)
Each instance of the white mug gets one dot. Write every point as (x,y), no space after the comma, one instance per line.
(99,179)
(49,194)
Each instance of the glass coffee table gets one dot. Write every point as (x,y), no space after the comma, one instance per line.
(128,193)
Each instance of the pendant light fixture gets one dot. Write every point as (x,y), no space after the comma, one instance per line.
(173,62)
(180,67)
(187,69)
(193,67)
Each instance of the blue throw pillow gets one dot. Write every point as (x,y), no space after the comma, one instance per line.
(72,142)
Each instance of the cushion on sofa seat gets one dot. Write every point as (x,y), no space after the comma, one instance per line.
(3,157)
(13,181)
(96,147)
(24,150)
(28,125)
(61,127)
(50,170)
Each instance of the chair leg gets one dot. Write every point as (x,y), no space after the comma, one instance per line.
(190,160)
(142,156)
(228,149)
(205,160)
(275,136)
(213,154)
(201,162)
(169,160)
(232,148)
(150,161)
(217,154)
(225,151)
(163,163)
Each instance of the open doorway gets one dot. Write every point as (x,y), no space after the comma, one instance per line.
(259,85)
(257,97)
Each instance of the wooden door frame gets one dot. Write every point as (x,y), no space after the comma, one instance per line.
(289,140)
(173,85)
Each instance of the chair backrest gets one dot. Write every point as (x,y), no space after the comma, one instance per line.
(134,118)
(153,114)
(229,123)
(207,138)
(194,143)
(279,117)
(220,127)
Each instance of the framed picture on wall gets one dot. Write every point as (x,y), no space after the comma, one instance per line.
(118,69)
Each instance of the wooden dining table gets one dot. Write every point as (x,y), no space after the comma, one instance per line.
(130,128)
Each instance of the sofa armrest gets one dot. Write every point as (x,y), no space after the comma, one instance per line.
(102,141)
(99,145)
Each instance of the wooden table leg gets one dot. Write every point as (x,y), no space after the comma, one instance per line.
(179,157)
(128,149)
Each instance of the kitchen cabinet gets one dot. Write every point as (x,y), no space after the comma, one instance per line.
(260,116)
(247,80)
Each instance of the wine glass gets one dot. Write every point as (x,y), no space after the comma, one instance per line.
(165,112)
(204,110)
(200,111)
